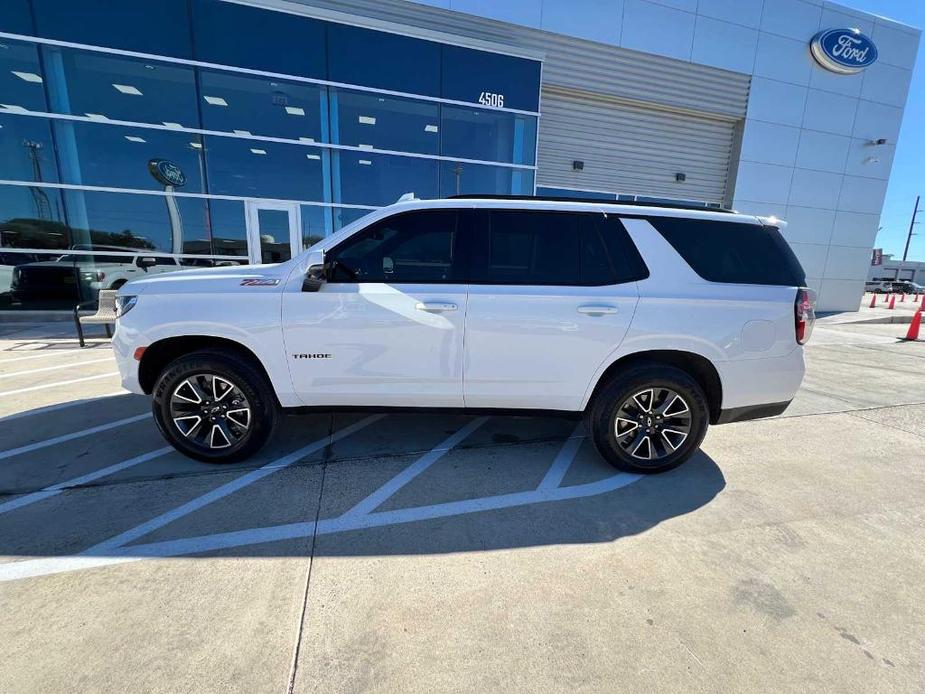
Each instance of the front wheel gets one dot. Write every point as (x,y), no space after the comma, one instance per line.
(649,419)
(214,406)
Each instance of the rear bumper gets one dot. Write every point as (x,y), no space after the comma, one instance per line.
(757,382)
(743,414)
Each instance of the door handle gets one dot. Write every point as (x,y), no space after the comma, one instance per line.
(597,310)
(435,306)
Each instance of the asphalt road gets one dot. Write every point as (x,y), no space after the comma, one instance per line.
(452,553)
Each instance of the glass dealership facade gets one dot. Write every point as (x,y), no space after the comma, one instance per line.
(132,128)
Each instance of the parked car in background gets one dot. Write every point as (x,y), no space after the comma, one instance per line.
(907,287)
(75,275)
(878,287)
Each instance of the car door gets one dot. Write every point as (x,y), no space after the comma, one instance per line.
(551,296)
(386,328)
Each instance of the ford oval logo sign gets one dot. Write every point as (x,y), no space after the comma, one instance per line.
(167,173)
(846,51)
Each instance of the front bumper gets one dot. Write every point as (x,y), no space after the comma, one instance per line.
(123,347)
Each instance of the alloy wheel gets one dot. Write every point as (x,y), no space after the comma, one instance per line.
(652,424)
(210,411)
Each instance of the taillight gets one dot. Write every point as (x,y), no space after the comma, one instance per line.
(804,314)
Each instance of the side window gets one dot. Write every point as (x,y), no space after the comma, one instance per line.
(594,263)
(414,247)
(627,262)
(733,252)
(529,247)
(533,247)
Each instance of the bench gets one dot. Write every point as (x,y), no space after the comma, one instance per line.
(105,313)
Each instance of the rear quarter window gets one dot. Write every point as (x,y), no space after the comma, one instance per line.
(733,252)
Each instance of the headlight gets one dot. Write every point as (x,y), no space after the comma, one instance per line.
(124,304)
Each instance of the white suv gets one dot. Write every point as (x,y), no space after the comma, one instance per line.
(652,321)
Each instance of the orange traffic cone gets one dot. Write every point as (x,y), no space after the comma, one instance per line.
(873,301)
(913,333)
(892,302)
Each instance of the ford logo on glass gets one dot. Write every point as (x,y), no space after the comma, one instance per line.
(167,173)
(846,51)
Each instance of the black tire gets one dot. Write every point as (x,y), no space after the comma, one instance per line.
(620,389)
(250,391)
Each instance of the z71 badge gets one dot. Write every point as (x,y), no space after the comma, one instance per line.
(259,282)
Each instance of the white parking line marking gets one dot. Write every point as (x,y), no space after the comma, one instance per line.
(49,353)
(377,498)
(56,367)
(70,437)
(291,531)
(226,489)
(563,461)
(58,383)
(55,489)
(94,557)
(60,406)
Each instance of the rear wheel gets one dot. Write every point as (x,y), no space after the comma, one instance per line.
(649,419)
(214,406)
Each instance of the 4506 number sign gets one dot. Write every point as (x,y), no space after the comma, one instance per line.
(491,99)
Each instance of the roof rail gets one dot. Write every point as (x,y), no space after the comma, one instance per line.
(596,201)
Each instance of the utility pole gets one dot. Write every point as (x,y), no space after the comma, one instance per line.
(911,225)
(909,236)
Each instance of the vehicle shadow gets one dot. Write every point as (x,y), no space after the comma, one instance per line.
(333,485)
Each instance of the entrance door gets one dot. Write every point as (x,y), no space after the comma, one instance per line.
(274,231)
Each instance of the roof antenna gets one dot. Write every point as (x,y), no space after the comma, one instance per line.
(407,197)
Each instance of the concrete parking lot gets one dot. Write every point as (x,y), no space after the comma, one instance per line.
(455,553)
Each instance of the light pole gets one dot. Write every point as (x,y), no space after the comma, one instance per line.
(909,236)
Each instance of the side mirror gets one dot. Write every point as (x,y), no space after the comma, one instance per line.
(145,262)
(314,278)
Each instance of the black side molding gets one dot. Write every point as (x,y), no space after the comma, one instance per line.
(743,414)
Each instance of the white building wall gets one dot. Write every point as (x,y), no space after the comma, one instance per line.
(805,155)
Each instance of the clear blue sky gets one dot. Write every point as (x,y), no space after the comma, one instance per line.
(908,178)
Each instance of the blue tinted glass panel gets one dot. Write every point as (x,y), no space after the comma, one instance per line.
(482,77)
(27,151)
(347,215)
(379,59)
(567,193)
(100,154)
(21,77)
(32,217)
(258,106)
(227,225)
(104,86)
(486,134)
(148,27)
(126,221)
(15,17)
(461,178)
(391,123)
(251,168)
(230,34)
(380,179)
(316,224)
